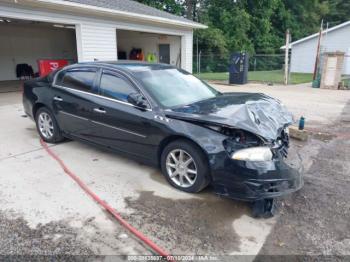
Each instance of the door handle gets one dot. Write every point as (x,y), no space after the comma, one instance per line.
(99,110)
(57,98)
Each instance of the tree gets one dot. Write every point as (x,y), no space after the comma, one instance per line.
(339,11)
(261,30)
(170,6)
(256,26)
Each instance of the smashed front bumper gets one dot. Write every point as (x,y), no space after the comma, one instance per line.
(251,181)
(276,183)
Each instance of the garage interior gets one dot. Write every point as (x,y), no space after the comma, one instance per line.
(150,47)
(26,42)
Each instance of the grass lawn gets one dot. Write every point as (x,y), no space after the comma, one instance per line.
(274,76)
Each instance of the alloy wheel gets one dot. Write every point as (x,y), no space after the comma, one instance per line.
(45,125)
(181,168)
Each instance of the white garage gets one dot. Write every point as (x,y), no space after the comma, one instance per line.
(79,31)
(334,39)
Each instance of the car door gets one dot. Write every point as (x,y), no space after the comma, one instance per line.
(73,94)
(117,123)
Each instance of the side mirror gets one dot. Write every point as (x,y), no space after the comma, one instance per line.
(137,100)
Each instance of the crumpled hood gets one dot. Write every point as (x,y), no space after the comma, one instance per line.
(256,113)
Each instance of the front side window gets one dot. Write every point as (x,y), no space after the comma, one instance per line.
(172,87)
(82,80)
(113,86)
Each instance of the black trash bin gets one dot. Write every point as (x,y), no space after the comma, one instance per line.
(238,69)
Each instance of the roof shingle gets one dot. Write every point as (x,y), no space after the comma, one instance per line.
(131,7)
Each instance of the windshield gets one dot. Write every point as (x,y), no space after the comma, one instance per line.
(172,87)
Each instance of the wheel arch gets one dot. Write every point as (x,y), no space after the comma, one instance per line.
(166,141)
(36,107)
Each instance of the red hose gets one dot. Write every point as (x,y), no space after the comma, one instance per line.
(110,209)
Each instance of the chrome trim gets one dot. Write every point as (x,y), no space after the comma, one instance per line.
(68,114)
(107,98)
(102,124)
(100,111)
(57,98)
(99,96)
(119,129)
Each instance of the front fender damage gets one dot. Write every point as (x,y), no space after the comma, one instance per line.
(264,116)
(262,122)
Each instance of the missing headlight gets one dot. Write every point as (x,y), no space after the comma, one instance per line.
(239,139)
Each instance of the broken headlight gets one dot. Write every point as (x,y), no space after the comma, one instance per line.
(260,153)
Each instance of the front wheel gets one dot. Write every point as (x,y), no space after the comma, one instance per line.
(185,166)
(47,126)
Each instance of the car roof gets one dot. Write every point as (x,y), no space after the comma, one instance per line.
(126,65)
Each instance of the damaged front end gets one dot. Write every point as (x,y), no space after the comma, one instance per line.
(256,168)
(271,173)
(254,163)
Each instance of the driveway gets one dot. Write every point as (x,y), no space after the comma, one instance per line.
(38,198)
(320,107)
(43,211)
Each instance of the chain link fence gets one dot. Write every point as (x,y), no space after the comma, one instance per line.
(264,68)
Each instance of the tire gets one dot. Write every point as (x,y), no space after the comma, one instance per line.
(47,126)
(264,208)
(173,171)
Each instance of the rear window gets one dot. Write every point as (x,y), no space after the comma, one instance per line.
(78,79)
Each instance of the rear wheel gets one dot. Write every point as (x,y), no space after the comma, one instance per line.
(185,166)
(47,126)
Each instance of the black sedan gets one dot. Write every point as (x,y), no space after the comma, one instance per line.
(237,142)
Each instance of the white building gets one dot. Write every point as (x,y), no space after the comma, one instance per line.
(334,39)
(87,30)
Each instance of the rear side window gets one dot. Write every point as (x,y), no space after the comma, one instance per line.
(116,87)
(82,80)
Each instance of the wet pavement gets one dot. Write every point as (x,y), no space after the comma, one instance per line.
(36,196)
(42,211)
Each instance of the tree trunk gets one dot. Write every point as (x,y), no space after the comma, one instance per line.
(189,8)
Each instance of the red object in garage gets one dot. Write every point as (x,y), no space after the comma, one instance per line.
(47,66)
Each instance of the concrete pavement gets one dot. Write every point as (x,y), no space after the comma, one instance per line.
(35,189)
(318,106)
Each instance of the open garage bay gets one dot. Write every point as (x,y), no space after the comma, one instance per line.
(26,42)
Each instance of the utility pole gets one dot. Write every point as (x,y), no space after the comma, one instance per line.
(318,51)
(199,62)
(286,58)
(197,56)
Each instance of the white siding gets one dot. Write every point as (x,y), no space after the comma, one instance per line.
(96,42)
(304,53)
(187,51)
(303,56)
(346,69)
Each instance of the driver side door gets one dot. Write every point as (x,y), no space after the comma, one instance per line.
(119,124)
